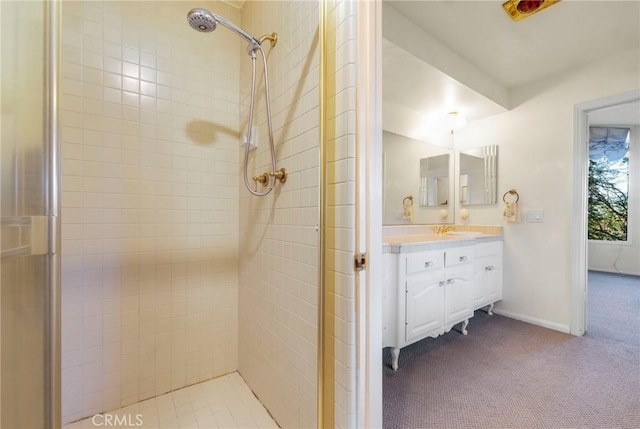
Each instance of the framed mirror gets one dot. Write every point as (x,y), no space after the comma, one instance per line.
(422,171)
(478,179)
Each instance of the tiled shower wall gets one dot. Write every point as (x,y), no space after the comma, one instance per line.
(279,241)
(340,181)
(149,126)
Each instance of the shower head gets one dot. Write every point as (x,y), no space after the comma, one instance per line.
(204,21)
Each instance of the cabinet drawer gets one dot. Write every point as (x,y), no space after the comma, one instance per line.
(486,249)
(424,261)
(463,255)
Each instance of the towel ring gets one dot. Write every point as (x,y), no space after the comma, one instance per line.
(404,202)
(511,192)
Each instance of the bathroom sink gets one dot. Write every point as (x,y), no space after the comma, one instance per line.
(465,233)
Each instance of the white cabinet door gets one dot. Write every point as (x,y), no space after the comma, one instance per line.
(424,311)
(480,280)
(487,277)
(458,294)
(493,278)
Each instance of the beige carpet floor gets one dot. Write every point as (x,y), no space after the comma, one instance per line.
(510,374)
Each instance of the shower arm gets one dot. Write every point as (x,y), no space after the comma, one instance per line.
(273,38)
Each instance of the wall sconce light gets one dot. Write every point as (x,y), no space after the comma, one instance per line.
(520,9)
(455,121)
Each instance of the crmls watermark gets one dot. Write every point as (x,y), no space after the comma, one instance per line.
(110,420)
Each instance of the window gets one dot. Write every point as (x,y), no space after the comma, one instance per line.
(608,183)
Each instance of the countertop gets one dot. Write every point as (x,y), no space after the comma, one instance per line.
(420,242)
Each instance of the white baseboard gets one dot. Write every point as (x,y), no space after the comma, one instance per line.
(534,321)
(606,270)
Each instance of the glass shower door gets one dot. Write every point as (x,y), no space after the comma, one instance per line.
(27,262)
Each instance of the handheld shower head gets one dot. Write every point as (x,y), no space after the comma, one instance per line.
(204,21)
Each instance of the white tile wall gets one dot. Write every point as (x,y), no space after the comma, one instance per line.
(278,275)
(151,184)
(149,117)
(341,186)
(279,242)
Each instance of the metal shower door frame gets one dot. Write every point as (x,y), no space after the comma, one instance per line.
(37,234)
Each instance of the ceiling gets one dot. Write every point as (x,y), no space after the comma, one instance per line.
(561,37)
(472,49)
(420,85)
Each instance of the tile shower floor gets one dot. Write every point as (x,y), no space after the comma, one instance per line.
(224,402)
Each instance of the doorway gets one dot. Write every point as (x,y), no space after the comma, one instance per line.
(613,305)
(584,114)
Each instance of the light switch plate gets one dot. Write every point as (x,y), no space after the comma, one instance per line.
(535,215)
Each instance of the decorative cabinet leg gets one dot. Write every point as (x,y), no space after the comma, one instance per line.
(490,309)
(463,328)
(395,354)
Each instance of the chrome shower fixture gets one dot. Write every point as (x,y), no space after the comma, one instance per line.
(205,22)
(202,20)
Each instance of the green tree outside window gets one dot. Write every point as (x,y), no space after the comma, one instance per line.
(608,200)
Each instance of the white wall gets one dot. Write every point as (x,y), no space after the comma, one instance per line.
(149,129)
(535,142)
(617,257)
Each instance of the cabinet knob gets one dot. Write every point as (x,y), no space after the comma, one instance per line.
(451,281)
(428,264)
(441,283)
(462,258)
(489,268)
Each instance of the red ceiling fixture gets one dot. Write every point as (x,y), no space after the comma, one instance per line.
(528,6)
(519,9)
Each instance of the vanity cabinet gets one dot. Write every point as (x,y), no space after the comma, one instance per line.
(428,292)
(435,294)
(487,277)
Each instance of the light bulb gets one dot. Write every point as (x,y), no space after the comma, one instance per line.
(455,121)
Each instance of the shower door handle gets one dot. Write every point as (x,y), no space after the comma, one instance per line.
(34,241)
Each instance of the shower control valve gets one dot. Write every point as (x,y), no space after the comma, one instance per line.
(280,175)
(263,178)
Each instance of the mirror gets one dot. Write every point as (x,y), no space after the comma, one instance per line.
(417,169)
(434,181)
(478,176)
